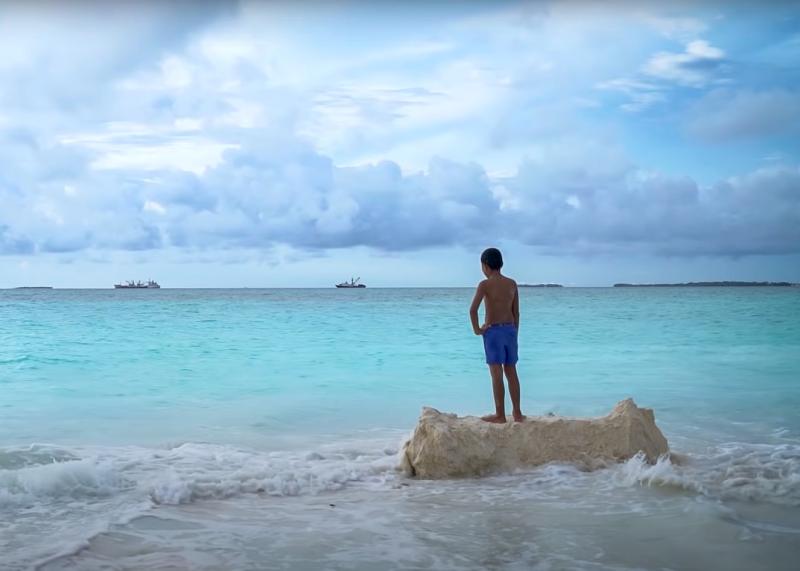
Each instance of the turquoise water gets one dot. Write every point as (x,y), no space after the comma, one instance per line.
(117,405)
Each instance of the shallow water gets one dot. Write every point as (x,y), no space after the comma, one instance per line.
(214,428)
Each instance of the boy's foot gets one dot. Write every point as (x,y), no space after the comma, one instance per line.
(519,417)
(493,418)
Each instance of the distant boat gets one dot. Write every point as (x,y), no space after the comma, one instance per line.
(353,283)
(138,285)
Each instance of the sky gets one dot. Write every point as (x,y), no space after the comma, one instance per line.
(272,144)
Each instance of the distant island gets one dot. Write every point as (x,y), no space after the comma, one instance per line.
(34,287)
(714,284)
(540,285)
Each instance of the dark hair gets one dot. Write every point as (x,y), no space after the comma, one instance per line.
(492,258)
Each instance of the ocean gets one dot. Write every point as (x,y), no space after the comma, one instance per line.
(260,429)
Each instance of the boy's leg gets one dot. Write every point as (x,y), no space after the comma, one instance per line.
(513,391)
(499,395)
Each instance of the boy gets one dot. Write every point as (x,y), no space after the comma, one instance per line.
(501,303)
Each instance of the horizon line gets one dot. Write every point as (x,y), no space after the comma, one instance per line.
(617,285)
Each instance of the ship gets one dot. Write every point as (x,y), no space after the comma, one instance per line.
(151,284)
(353,283)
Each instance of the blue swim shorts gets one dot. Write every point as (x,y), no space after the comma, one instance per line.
(500,344)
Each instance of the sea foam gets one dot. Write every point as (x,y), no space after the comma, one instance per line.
(733,471)
(188,472)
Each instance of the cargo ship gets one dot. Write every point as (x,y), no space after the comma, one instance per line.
(138,285)
(353,283)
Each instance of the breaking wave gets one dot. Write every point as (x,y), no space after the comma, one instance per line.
(183,473)
(746,472)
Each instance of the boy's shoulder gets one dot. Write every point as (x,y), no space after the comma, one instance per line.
(484,283)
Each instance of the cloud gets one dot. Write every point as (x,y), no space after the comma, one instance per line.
(153,206)
(744,114)
(697,66)
(577,197)
(82,42)
(211,137)
(641,94)
(288,193)
(648,212)
(10,244)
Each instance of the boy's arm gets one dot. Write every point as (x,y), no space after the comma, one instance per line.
(473,309)
(515,306)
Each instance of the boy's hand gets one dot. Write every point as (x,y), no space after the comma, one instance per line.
(481,330)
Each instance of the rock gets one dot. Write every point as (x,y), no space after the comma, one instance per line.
(447,446)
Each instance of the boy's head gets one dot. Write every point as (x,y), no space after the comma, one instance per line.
(491,259)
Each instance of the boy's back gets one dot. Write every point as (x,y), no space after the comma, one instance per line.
(500,298)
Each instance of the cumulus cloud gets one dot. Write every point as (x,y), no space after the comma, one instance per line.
(650,212)
(288,193)
(282,191)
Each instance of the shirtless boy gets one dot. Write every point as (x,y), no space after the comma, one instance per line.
(501,303)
